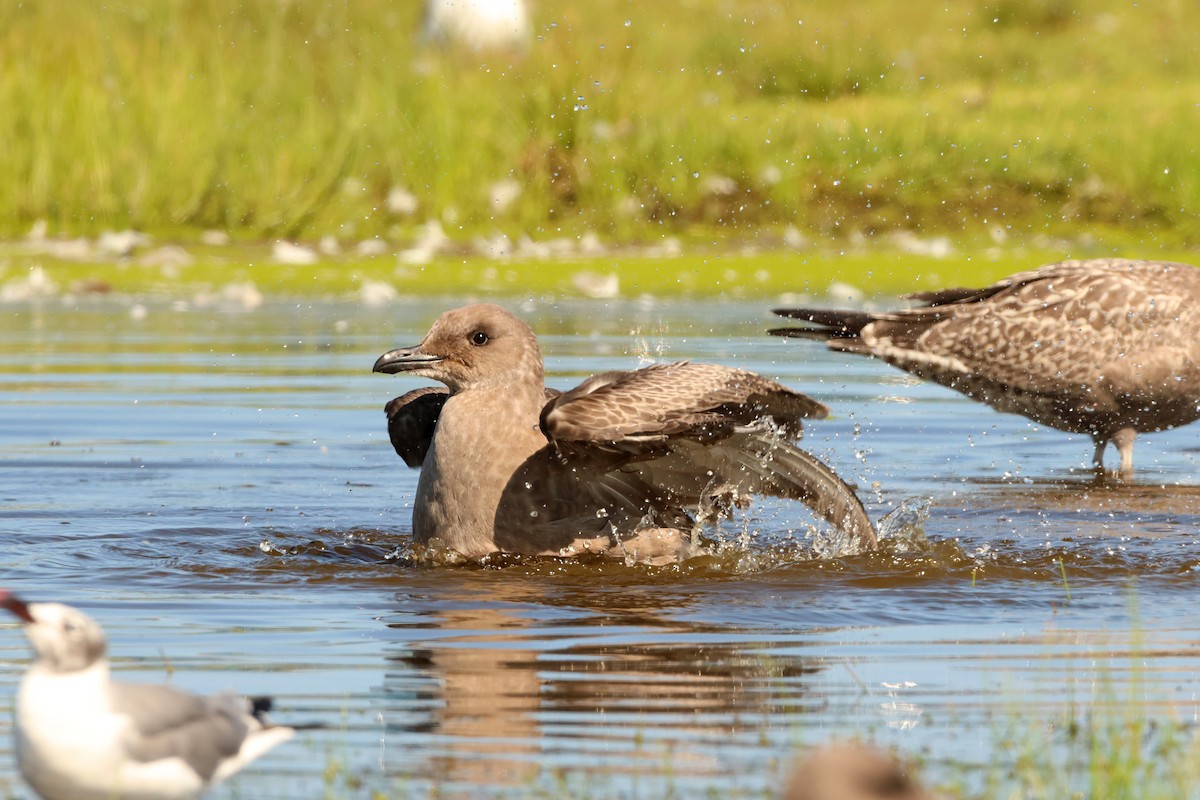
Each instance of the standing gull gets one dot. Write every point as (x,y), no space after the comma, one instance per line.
(80,735)
(1106,347)
(619,465)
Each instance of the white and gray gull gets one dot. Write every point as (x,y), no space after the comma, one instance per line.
(621,465)
(1105,347)
(80,735)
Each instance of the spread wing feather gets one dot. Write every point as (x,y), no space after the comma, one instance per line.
(668,441)
(664,401)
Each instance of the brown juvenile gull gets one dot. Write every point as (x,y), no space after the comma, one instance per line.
(853,771)
(619,465)
(1106,347)
(79,735)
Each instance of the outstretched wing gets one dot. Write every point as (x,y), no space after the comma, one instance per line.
(693,438)
(664,401)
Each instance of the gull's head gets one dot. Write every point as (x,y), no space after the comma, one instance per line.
(63,639)
(475,347)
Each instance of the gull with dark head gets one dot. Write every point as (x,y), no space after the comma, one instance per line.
(79,735)
(623,465)
(1105,347)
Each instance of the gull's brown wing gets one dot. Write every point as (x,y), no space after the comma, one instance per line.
(698,437)
(1090,330)
(662,401)
(412,418)
(1077,333)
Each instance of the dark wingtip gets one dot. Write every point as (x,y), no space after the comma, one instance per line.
(826,323)
(18,607)
(309,726)
(259,706)
(797,333)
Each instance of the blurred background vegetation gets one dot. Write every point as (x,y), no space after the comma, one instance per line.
(714,120)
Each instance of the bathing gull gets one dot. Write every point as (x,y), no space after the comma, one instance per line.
(1106,347)
(621,465)
(79,735)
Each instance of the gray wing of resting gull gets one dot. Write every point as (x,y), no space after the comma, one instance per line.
(79,734)
(203,731)
(622,465)
(1105,347)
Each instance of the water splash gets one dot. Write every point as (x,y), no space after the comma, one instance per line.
(903,529)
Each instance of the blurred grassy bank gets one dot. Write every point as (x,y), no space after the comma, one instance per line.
(710,120)
(246,271)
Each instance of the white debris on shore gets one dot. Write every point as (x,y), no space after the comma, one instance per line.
(503,194)
(36,284)
(286,252)
(369,248)
(376,293)
(597,287)
(121,243)
(412,247)
(169,256)
(839,292)
(909,242)
(430,242)
(401,202)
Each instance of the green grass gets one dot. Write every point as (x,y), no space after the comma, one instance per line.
(1109,748)
(1115,745)
(771,275)
(295,119)
(767,275)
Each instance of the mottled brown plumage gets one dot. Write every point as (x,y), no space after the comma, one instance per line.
(655,403)
(620,465)
(1106,347)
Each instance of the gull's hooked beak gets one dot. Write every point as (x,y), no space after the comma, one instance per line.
(404,359)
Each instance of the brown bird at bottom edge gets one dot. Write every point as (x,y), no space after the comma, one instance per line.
(853,771)
(1105,347)
(622,465)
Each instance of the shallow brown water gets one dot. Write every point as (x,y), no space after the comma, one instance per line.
(217,488)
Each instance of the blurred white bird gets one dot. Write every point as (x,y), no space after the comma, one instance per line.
(478,24)
(80,735)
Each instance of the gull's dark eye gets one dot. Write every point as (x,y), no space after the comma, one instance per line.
(479,338)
